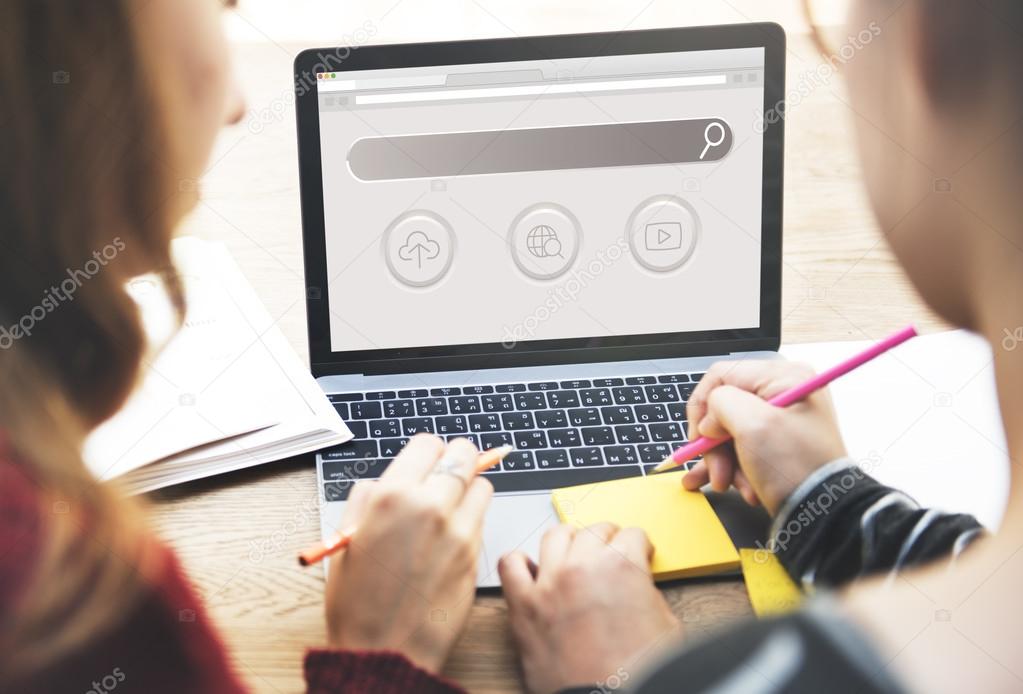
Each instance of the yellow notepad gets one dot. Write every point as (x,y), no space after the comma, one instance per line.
(771,591)
(687,536)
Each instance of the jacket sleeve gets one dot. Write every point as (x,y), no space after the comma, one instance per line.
(380,672)
(841,523)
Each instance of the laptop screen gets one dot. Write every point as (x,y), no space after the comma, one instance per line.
(509,202)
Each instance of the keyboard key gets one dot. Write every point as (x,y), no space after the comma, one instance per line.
(417,425)
(351,470)
(445,392)
(586,457)
(366,410)
(381,395)
(543,385)
(532,480)
(640,380)
(399,408)
(510,388)
(629,396)
(360,430)
(365,448)
(451,425)
(472,438)
(516,421)
(342,409)
(651,413)
(477,390)
(380,428)
(563,398)
(484,422)
(431,406)
(617,415)
(597,436)
(576,384)
(464,405)
(488,441)
(607,382)
(563,438)
(696,377)
(337,491)
(665,393)
(545,419)
(621,455)
(590,397)
(391,447)
(518,460)
(654,452)
(344,397)
(673,378)
(685,390)
(666,432)
(632,433)
(584,416)
(530,439)
(497,403)
(530,401)
(415,393)
(551,459)
(677,411)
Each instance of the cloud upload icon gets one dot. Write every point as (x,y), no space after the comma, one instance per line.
(420,247)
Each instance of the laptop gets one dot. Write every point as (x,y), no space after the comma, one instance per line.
(542,241)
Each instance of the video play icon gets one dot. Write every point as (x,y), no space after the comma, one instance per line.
(663,236)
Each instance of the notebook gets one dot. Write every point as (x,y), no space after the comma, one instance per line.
(688,538)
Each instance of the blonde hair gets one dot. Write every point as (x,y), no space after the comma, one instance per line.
(81,143)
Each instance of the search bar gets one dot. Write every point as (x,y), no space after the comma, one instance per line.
(540,149)
(544,88)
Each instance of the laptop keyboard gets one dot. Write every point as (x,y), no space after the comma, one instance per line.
(564,432)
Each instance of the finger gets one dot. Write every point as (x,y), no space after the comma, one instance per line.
(468,516)
(733,412)
(449,479)
(745,488)
(635,545)
(355,508)
(516,579)
(414,461)
(765,378)
(697,476)
(592,538)
(721,470)
(554,546)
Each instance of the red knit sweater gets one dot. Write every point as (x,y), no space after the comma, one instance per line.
(166,643)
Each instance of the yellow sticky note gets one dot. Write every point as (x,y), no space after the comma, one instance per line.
(771,590)
(687,535)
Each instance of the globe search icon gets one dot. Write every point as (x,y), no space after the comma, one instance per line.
(542,242)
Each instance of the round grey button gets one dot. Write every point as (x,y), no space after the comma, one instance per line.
(544,241)
(663,232)
(418,248)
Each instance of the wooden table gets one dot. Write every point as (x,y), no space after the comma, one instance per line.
(238,535)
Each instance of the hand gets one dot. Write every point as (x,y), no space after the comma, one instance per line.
(407,581)
(590,609)
(774,449)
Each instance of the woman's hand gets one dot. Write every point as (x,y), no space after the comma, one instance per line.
(408,580)
(589,611)
(774,449)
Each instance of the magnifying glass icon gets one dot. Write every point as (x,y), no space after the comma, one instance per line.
(707,137)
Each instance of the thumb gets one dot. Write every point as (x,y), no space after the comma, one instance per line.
(731,411)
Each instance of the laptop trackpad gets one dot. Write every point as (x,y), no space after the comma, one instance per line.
(514,522)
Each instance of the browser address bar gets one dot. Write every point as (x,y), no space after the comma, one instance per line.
(546,88)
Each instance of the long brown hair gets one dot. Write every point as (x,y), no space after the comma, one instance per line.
(85,204)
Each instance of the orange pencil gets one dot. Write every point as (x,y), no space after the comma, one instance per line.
(342,539)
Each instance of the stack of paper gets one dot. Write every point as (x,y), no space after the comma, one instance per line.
(227,392)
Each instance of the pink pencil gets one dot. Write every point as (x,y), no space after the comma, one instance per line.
(703,444)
